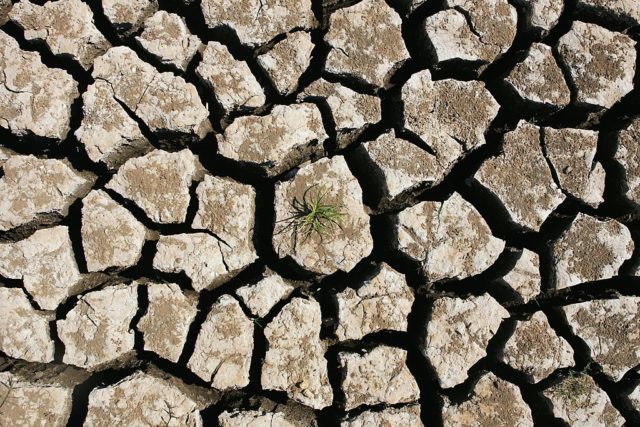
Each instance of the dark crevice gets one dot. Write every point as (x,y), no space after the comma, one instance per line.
(143,269)
(583,206)
(208,298)
(485,282)
(564,23)
(336,377)
(607,288)
(463,391)
(24,231)
(103,24)
(142,217)
(352,82)
(616,391)
(330,144)
(617,396)
(576,114)
(366,171)
(80,396)
(257,358)
(605,17)
(541,408)
(503,65)
(142,126)
(426,377)
(63,62)
(74,224)
(143,308)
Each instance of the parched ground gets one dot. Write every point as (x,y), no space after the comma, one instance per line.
(479,161)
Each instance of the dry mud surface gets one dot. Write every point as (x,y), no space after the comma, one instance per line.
(156,157)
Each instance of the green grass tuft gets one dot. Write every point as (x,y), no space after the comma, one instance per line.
(313,215)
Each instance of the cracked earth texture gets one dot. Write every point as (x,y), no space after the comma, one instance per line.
(485,158)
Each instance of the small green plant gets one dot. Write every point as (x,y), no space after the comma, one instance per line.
(313,215)
(573,387)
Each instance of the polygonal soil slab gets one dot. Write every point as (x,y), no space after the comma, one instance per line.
(109,135)
(400,164)
(294,362)
(256,22)
(261,297)
(227,209)
(96,332)
(494,21)
(601,63)
(159,183)
(611,329)
(381,303)
(34,99)
(38,190)
(379,376)
(524,278)
(494,402)
(111,235)
(166,103)
(343,243)
(473,31)
(537,194)
(231,80)
(535,349)
(450,239)
(287,60)
(33,403)
(223,350)
(167,37)
(282,139)
(25,331)
(579,401)
(450,116)
(66,27)
(571,153)
(143,399)
(127,16)
(590,249)
(539,78)
(458,333)
(545,14)
(451,39)
(46,264)
(366,42)
(166,323)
